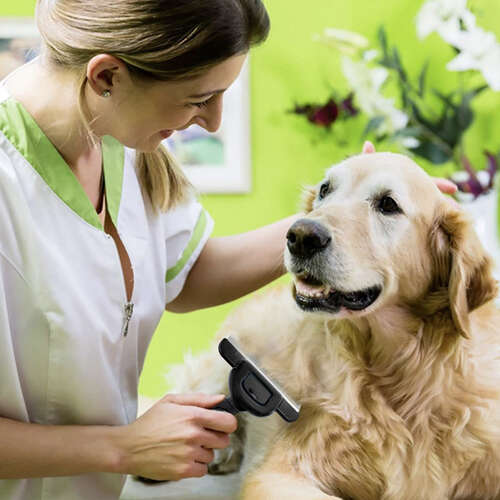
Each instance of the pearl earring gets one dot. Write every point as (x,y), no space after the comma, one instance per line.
(106,93)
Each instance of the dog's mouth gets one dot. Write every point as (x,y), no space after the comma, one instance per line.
(313,295)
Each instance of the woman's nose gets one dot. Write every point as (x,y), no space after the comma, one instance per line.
(210,116)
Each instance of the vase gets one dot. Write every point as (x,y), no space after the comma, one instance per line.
(483,211)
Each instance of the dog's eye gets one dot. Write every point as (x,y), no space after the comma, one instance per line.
(323,190)
(387,205)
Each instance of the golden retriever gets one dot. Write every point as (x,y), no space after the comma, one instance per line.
(389,339)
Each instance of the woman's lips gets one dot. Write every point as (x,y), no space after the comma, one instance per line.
(166,133)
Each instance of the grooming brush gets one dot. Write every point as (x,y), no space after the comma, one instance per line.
(251,389)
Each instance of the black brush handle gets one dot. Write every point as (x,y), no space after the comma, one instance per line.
(226,405)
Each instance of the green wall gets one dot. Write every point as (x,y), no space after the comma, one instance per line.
(286,152)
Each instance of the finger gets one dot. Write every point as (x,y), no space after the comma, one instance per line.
(212,439)
(197,399)
(216,420)
(193,469)
(446,186)
(368,147)
(204,456)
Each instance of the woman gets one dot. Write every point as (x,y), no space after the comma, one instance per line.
(100,233)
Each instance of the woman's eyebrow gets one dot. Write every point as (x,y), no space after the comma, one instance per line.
(213,92)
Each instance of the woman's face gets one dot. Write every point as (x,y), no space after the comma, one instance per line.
(142,116)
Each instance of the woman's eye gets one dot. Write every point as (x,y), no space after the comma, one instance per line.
(200,104)
(387,205)
(323,190)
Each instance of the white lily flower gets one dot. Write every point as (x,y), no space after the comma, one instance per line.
(370,55)
(347,42)
(483,177)
(490,68)
(464,197)
(460,176)
(361,77)
(475,41)
(367,83)
(436,13)
(410,142)
(479,50)
(450,30)
(395,119)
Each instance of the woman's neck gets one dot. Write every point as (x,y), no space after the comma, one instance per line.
(50,95)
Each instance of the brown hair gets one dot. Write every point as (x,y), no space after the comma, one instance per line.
(158,39)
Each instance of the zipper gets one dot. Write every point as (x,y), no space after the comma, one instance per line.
(128,311)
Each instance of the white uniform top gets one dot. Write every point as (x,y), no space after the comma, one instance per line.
(67,355)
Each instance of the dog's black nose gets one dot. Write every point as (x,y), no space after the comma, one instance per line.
(307,237)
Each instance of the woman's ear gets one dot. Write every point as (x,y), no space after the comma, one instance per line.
(104,72)
(461,264)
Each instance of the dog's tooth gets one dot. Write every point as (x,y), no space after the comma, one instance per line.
(309,290)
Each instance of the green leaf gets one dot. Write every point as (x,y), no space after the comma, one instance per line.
(384,61)
(432,152)
(474,92)
(464,117)
(447,127)
(373,125)
(450,129)
(464,113)
(398,65)
(408,132)
(420,119)
(382,38)
(421,79)
(447,99)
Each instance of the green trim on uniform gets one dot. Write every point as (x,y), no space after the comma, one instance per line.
(196,237)
(24,133)
(113,154)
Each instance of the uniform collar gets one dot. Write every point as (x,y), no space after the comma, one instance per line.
(24,133)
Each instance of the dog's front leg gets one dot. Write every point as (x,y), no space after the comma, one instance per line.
(281,487)
(276,480)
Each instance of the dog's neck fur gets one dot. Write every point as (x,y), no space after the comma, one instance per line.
(404,356)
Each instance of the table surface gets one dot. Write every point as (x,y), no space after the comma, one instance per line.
(205,488)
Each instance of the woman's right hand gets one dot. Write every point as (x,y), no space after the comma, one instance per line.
(175,438)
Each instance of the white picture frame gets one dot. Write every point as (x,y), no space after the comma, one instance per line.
(19,43)
(232,173)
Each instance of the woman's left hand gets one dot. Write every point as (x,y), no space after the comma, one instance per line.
(445,186)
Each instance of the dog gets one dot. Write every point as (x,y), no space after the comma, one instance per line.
(389,339)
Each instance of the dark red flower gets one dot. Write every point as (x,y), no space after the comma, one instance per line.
(325,115)
(492,167)
(472,184)
(347,105)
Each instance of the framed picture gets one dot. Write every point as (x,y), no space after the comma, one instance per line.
(214,162)
(219,162)
(19,43)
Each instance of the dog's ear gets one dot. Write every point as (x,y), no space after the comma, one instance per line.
(461,265)
(308,196)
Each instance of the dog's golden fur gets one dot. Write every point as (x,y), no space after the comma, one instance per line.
(401,400)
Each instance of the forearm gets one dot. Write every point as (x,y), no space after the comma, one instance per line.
(33,450)
(232,266)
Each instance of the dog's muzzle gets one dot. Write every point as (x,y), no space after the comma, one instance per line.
(307,238)
(306,242)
